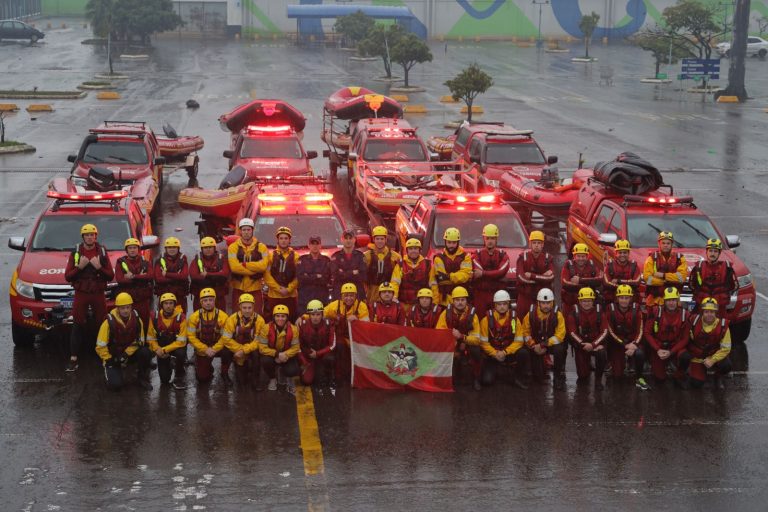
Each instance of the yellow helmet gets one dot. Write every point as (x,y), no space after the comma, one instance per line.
(622,245)
(413,242)
(624,290)
(671,293)
(386,286)
(284,230)
(123,299)
(315,306)
(586,293)
(665,235)
(131,241)
(280,309)
(491,230)
(207,292)
(715,243)
(167,296)
(207,242)
(89,228)
(172,241)
(459,292)
(349,288)
(536,236)
(379,231)
(580,249)
(425,292)
(246,297)
(709,304)
(452,235)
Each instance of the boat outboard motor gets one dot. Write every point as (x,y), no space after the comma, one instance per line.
(235,177)
(550,176)
(101,179)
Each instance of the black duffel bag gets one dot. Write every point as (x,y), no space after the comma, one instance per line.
(629,174)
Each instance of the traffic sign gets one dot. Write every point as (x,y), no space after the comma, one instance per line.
(697,69)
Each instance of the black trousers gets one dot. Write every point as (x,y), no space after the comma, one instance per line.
(113,370)
(491,366)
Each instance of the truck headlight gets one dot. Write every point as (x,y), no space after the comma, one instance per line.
(24,288)
(745,280)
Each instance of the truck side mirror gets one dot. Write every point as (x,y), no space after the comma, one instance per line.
(311,155)
(228,153)
(607,238)
(326,153)
(17,243)
(551,159)
(71,158)
(733,241)
(160,160)
(149,241)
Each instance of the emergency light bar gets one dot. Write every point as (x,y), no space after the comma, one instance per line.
(470,198)
(314,197)
(269,129)
(509,132)
(66,196)
(658,200)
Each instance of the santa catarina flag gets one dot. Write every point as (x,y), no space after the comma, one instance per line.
(396,357)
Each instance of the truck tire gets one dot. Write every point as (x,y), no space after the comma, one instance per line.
(333,169)
(740,331)
(22,337)
(33,39)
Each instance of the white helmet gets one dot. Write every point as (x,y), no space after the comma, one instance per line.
(545,295)
(501,296)
(245,222)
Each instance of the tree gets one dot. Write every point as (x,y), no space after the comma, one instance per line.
(379,42)
(468,84)
(99,13)
(762,24)
(142,18)
(2,127)
(587,25)
(408,51)
(736,70)
(693,24)
(354,27)
(661,44)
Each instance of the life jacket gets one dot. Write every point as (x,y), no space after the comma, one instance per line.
(452,264)
(500,336)
(314,337)
(138,289)
(713,280)
(166,334)
(528,263)
(704,344)
(90,280)
(272,335)
(283,268)
(390,313)
(588,271)
(172,265)
(380,270)
(587,323)
(414,279)
(209,331)
(341,322)
(666,327)
(462,323)
(615,270)
(666,266)
(214,264)
(428,320)
(542,329)
(123,336)
(624,327)
(489,261)
(244,333)
(244,258)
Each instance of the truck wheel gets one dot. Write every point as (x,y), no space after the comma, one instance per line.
(762,53)
(22,337)
(740,331)
(333,168)
(193,170)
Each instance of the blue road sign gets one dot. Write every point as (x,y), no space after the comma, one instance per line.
(696,69)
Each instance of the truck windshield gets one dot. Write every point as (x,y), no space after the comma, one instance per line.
(116,152)
(271,147)
(327,227)
(688,230)
(62,233)
(470,224)
(398,150)
(527,153)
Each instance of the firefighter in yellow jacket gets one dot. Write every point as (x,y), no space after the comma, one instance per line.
(414,273)
(167,338)
(120,341)
(464,325)
(543,331)
(247,259)
(662,269)
(340,312)
(204,328)
(281,277)
(279,348)
(241,336)
(381,264)
(453,266)
(502,343)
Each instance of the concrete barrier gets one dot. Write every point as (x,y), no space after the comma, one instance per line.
(476,109)
(40,107)
(108,95)
(8,107)
(414,109)
(402,98)
(448,99)
(728,99)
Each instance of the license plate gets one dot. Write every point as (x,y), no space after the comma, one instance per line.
(67,302)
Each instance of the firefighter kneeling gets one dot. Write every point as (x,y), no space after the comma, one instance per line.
(120,342)
(500,341)
(240,335)
(666,333)
(587,329)
(167,338)
(279,346)
(708,346)
(204,333)
(543,330)
(317,338)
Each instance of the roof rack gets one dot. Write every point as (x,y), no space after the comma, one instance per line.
(137,123)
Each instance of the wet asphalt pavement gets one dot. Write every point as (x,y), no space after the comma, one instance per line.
(68,444)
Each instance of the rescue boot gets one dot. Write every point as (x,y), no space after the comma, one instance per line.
(272,386)
(559,383)
(598,381)
(718,384)
(143,379)
(683,383)
(72,366)
(226,379)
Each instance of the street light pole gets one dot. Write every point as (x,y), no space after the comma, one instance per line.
(540,3)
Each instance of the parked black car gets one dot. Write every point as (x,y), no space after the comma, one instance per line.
(10,29)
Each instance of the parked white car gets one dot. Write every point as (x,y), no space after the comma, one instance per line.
(756,46)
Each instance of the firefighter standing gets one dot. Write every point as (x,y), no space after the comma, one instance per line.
(543,331)
(341,312)
(453,266)
(240,335)
(167,339)
(281,277)
(247,258)
(386,310)
(490,267)
(416,272)
(381,263)
(425,312)
(620,270)
(663,268)
(713,277)
(501,342)
(204,328)
(709,345)
(461,319)
(89,270)
(625,334)
(348,266)
(314,271)
(279,348)
(209,269)
(587,329)
(666,334)
(317,339)
(120,341)
(134,277)
(171,272)
(535,271)
(578,272)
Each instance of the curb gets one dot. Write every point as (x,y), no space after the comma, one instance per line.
(18,148)
(410,88)
(655,81)
(25,95)
(83,86)
(116,76)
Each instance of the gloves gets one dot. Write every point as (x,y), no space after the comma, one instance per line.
(442,277)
